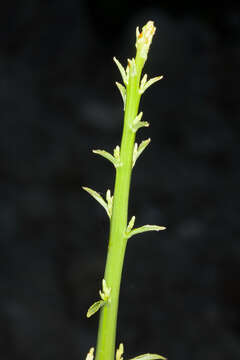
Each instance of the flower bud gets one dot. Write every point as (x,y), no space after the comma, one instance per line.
(144,39)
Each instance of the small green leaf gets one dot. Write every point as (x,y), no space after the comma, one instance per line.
(149,357)
(109,199)
(95,307)
(139,149)
(122,90)
(116,152)
(106,155)
(98,197)
(135,152)
(106,291)
(120,352)
(127,74)
(142,124)
(131,224)
(142,147)
(137,123)
(132,67)
(122,71)
(146,85)
(105,298)
(138,118)
(143,82)
(90,355)
(145,228)
(114,159)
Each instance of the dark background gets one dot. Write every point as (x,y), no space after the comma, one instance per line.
(180,292)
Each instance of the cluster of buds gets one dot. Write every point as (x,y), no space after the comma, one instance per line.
(143,42)
(144,39)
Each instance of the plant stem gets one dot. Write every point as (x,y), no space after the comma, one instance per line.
(118,223)
(118,240)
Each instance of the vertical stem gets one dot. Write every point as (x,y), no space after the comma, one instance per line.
(118,225)
(118,240)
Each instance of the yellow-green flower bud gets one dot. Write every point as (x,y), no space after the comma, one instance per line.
(144,39)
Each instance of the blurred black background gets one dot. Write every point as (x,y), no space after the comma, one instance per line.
(180,292)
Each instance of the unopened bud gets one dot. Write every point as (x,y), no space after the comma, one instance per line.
(144,39)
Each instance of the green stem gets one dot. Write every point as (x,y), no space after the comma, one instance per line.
(118,225)
(118,240)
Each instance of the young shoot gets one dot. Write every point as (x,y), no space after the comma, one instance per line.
(116,206)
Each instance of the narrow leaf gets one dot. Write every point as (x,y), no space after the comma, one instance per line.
(139,149)
(95,307)
(142,147)
(138,118)
(119,352)
(122,90)
(132,67)
(135,152)
(106,291)
(131,224)
(116,152)
(137,123)
(109,199)
(149,83)
(137,33)
(141,124)
(97,197)
(127,74)
(143,82)
(149,357)
(106,155)
(122,71)
(144,229)
(90,355)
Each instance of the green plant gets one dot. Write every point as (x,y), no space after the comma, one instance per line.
(123,159)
